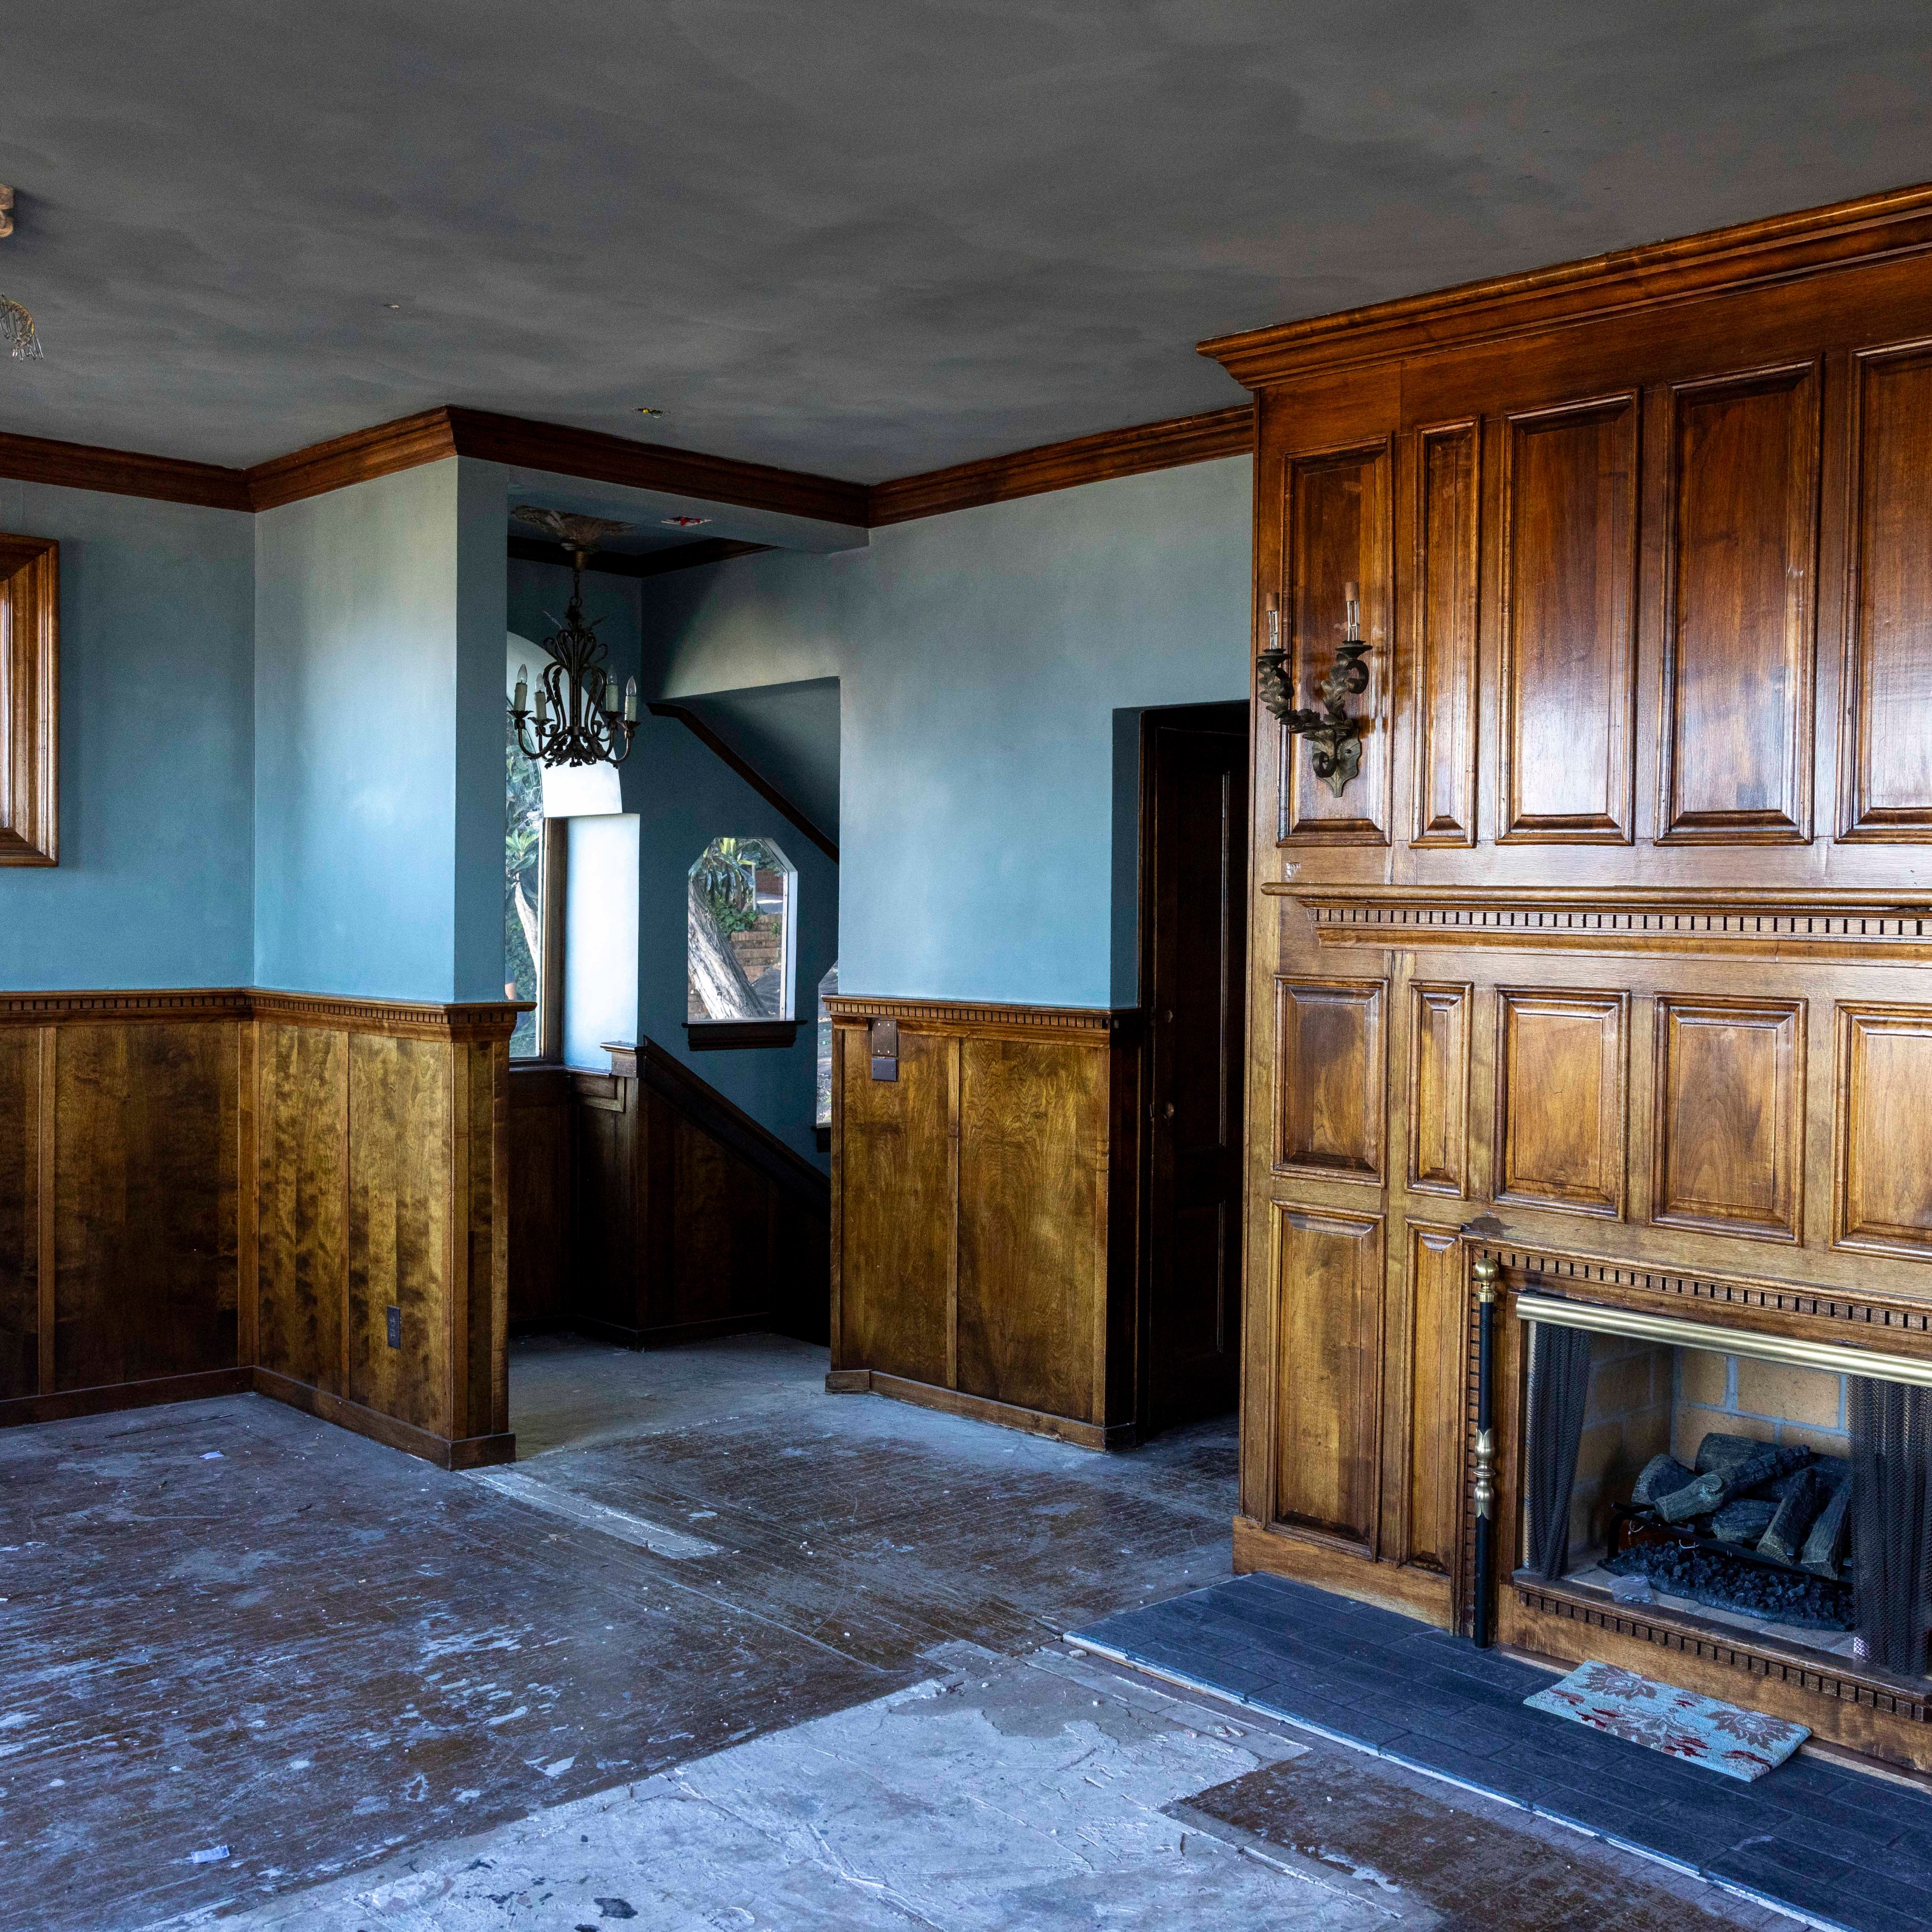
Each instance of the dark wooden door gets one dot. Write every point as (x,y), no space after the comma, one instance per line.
(1194,780)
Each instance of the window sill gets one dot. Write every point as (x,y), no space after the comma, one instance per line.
(704,1035)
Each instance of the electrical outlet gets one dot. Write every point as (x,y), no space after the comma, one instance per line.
(395,1316)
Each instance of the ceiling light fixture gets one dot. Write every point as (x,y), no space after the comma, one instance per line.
(682,522)
(17,325)
(645,409)
(577,721)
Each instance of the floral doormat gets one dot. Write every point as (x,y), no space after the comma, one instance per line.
(1741,1743)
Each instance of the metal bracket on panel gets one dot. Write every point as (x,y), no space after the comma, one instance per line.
(884,1041)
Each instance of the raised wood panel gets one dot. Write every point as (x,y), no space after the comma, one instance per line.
(1330,1086)
(896,1200)
(1886,761)
(1728,1148)
(20,1212)
(1438,1349)
(1561,1068)
(1327,1284)
(1568,665)
(1439,1087)
(400,1230)
(302,1129)
(144,1222)
(1032,1286)
(1447,586)
(1884,1129)
(1336,508)
(538,1260)
(607,1220)
(1735,731)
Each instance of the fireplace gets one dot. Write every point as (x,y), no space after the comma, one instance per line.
(1738,1484)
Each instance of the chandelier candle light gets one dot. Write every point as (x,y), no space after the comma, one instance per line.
(17,325)
(579,717)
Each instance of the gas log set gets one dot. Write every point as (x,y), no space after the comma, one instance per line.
(1755,1527)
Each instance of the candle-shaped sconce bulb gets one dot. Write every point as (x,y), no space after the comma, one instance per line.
(543,707)
(610,692)
(631,701)
(1351,629)
(1273,606)
(522,701)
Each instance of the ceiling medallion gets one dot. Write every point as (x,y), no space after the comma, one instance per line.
(577,720)
(17,325)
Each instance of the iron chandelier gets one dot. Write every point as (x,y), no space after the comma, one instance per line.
(577,719)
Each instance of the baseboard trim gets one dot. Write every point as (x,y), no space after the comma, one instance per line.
(104,1398)
(983,1408)
(468,1452)
(1280,1552)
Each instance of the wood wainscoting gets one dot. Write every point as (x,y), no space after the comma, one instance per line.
(648,1209)
(1617,946)
(209,1191)
(985,1212)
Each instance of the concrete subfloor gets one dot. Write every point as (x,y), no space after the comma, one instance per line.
(729,1652)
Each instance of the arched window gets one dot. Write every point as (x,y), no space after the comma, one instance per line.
(740,932)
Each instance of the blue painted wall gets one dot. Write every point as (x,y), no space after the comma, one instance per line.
(379,814)
(154,886)
(983,656)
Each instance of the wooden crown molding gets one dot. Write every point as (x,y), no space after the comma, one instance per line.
(406,1019)
(1843,234)
(29,701)
(436,434)
(1810,924)
(1062,465)
(1095,1024)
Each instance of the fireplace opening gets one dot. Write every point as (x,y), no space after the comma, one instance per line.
(1791,1502)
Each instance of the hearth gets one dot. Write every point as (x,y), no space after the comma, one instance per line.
(1741,1479)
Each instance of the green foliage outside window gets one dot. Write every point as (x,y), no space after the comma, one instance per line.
(522,887)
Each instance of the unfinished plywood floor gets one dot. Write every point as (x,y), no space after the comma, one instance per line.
(758,1656)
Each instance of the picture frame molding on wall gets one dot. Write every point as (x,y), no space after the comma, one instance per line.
(29,700)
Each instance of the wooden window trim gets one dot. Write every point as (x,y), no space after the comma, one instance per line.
(554,893)
(29,700)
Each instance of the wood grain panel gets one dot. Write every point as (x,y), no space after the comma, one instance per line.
(1331,1087)
(539,1204)
(20,1212)
(607,1266)
(1884,1130)
(1439,1348)
(1447,583)
(399,1228)
(1567,671)
(1561,1078)
(144,1202)
(29,700)
(1439,1087)
(896,1194)
(1728,1149)
(1327,1282)
(302,1123)
(1032,1154)
(1735,736)
(1886,759)
(1336,531)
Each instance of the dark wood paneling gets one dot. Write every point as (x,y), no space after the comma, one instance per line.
(1063,465)
(1568,670)
(1439,1087)
(302,1125)
(1332,1085)
(144,1201)
(1448,483)
(540,1201)
(1337,533)
(20,1212)
(29,701)
(895,1163)
(607,1222)
(399,1229)
(1884,1129)
(1561,1102)
(1327,1285)
(1887,756)
(1728,1141)
(1437,1338)
(1032,1240)
(1735,733)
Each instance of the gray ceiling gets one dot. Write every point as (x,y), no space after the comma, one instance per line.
(866,237)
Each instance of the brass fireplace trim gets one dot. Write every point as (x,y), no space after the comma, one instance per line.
(1635,1325)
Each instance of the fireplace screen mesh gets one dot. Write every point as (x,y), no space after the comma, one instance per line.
(1792,1502)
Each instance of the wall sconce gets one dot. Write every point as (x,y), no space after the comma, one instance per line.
(1334,738)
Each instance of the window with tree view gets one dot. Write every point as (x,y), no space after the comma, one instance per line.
(523,893)
(740,950)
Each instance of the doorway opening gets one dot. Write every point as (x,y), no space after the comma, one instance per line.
(1193,891)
